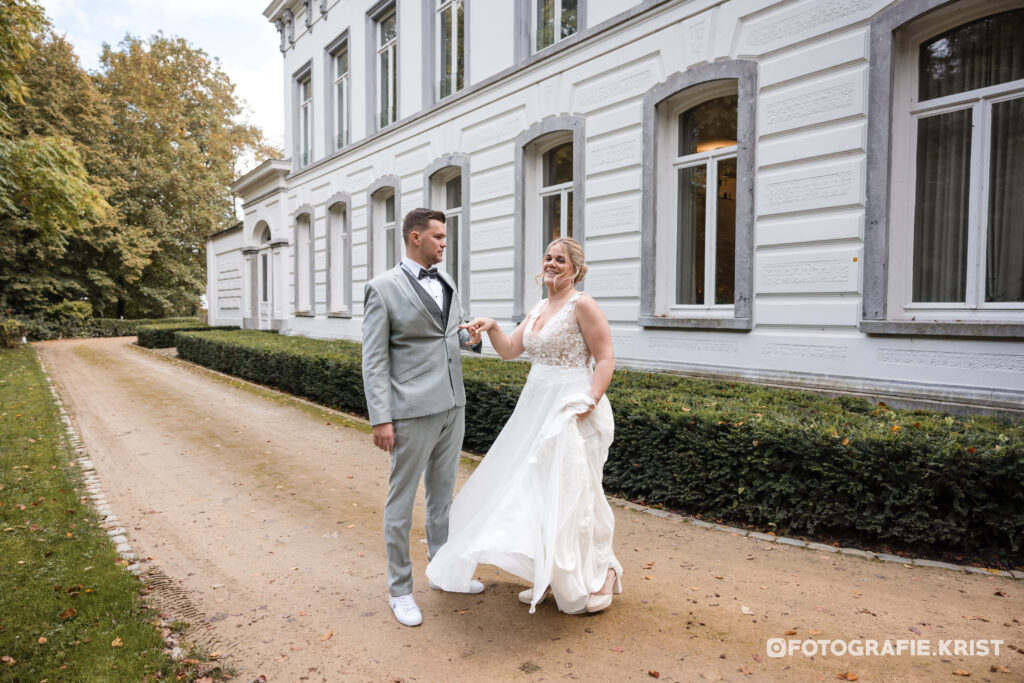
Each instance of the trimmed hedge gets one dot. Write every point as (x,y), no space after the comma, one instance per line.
(162,336)
(41,329)
(787,460)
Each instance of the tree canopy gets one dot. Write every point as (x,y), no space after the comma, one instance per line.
(110,181)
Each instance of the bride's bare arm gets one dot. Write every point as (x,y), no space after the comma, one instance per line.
(598,336)
(508,346)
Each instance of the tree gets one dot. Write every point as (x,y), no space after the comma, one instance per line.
(45,191)
(104,257)
(177,137)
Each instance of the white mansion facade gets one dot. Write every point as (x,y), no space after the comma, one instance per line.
(821,193)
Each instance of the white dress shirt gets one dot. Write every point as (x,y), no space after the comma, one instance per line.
(431,285)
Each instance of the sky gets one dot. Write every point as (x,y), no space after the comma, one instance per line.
(235,31)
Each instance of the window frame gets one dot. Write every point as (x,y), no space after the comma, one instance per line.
(333,49)
(302,105)
(390,48)
(374,17)
(531,145)
(442,7)
(557,36)
(674,95)
(376,194)
(887,306)
(304,260)
(342,308)
(435,177)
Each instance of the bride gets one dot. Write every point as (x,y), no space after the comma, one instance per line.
(535,506)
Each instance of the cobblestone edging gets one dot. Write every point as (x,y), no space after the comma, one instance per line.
(664,514)
(108,520)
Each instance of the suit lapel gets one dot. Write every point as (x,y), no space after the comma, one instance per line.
(426,305)
(449,292)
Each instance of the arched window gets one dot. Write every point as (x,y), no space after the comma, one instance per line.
(339,256)
(944,242)
(446,188)
(549,203)
(303,262)
(384,221)
(698,213)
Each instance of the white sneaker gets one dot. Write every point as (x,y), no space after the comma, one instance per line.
(474,587)
(405,609)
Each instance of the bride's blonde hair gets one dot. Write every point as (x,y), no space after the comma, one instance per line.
(574,252)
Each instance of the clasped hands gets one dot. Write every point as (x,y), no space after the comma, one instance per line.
(476,327)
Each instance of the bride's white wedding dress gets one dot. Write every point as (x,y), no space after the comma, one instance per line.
(535,506)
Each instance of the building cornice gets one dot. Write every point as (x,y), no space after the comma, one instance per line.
(261,174)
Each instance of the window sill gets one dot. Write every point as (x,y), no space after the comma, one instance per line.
(942,329)
(340,314)
(728,324)
(304,314)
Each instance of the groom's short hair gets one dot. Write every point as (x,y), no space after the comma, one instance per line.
(417,220)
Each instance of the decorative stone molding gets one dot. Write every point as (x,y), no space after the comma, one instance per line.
(308,6)
(279,25)
(289,20)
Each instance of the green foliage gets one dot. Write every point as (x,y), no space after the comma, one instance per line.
(161,336)
(782,459)
(109,182)
(325,371)
(11,333)
(60,578)
(177,138)
(43,328)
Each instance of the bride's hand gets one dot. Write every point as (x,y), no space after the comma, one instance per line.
(478,326)
(588,411)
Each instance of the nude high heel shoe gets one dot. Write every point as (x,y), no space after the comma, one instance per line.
(596,603)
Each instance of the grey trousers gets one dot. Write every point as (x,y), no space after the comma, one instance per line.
(427,446)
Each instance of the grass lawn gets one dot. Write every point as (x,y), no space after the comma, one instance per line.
(68,608)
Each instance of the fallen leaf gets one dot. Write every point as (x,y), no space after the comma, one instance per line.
(42,639)
(653,674)
(618,649)
(847,676)
(328,635)
(961,672)
(116,642)
(68,613)
(757,659)
(8,660)
(999,669)
(791,632)
(915,630)
(814,632)
(214,655)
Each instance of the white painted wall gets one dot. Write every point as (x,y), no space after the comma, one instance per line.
(810,194)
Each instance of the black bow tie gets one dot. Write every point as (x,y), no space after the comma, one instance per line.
(427,272)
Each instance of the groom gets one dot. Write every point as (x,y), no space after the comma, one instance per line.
(412,377)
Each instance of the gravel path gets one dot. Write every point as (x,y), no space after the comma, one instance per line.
(261,517)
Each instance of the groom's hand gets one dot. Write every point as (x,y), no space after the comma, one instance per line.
(384,436)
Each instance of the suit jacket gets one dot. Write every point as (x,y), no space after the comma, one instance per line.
(412,365)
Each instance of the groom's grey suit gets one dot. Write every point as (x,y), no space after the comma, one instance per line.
(412,377)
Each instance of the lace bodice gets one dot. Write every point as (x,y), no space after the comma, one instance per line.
(560,341)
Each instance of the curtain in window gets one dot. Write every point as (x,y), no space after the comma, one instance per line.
(1004,273)
(690,247)
(941,207)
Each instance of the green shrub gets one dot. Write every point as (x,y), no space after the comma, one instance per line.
(12,332)
(161,336)
(787,460)
(43,328)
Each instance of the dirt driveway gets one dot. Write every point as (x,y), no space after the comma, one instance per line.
(266,516)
